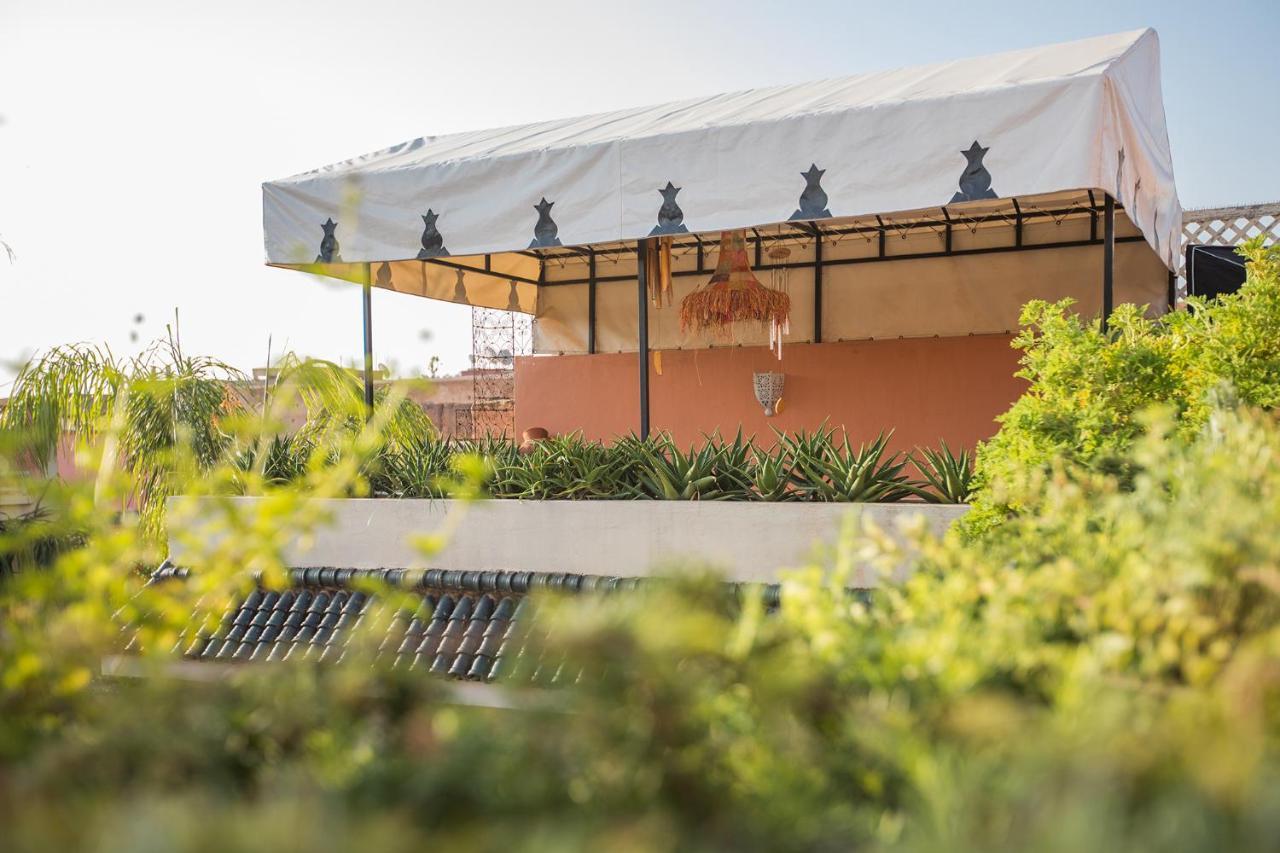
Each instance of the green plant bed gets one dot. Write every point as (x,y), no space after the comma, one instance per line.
(820,466)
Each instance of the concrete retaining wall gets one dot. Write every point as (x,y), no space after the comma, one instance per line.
(745,541)
(14,503)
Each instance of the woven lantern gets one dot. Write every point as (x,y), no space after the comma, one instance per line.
(735,295)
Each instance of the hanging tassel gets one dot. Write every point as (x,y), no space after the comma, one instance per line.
(657,259)
(651,272)
(780,278)
(776,332)
(664,269)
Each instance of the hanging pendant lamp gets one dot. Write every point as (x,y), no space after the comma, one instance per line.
(735,295)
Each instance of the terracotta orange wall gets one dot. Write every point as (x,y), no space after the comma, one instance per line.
(924,389)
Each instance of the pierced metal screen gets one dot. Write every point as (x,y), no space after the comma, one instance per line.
(497,337)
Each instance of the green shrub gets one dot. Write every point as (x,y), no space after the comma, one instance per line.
(1087,392)
(30,541)
(164,401)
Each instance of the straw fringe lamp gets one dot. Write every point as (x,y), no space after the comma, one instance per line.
(735,295)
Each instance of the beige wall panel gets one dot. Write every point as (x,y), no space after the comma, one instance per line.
(944,296)
(561,325)
(980,293)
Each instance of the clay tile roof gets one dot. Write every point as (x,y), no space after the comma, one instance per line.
(471,626)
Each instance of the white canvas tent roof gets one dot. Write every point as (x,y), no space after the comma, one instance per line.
(1084,115)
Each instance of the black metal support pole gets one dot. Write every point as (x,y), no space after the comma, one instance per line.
(368,341)
(1108,258)
(591,302)
(817,285)
(1173,292)
(642,329)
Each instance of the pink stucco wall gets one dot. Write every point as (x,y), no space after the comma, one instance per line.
(924,389)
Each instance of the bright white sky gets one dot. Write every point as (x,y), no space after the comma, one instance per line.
(134,134)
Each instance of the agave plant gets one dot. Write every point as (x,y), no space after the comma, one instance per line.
(716,471)
(733,461)
(415,469)
(281,458)
(771,476)
(948,475)
(565,468)
(824,470)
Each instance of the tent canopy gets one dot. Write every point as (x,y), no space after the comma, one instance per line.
(1084,115)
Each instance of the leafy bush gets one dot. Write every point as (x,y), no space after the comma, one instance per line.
(30,541)
(170,417)
(163,400)
(1087,392)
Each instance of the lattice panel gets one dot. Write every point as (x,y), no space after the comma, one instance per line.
(1227,226)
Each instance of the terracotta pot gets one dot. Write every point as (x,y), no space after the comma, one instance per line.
(531,436)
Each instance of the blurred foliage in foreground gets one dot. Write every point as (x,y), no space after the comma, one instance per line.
(1098,671)
(1103,673)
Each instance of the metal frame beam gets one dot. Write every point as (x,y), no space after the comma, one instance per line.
(874,259)
(367,303)
(1108,258)
(817,283)
(800,229)
(486,270)
(642,330)
(591,302)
